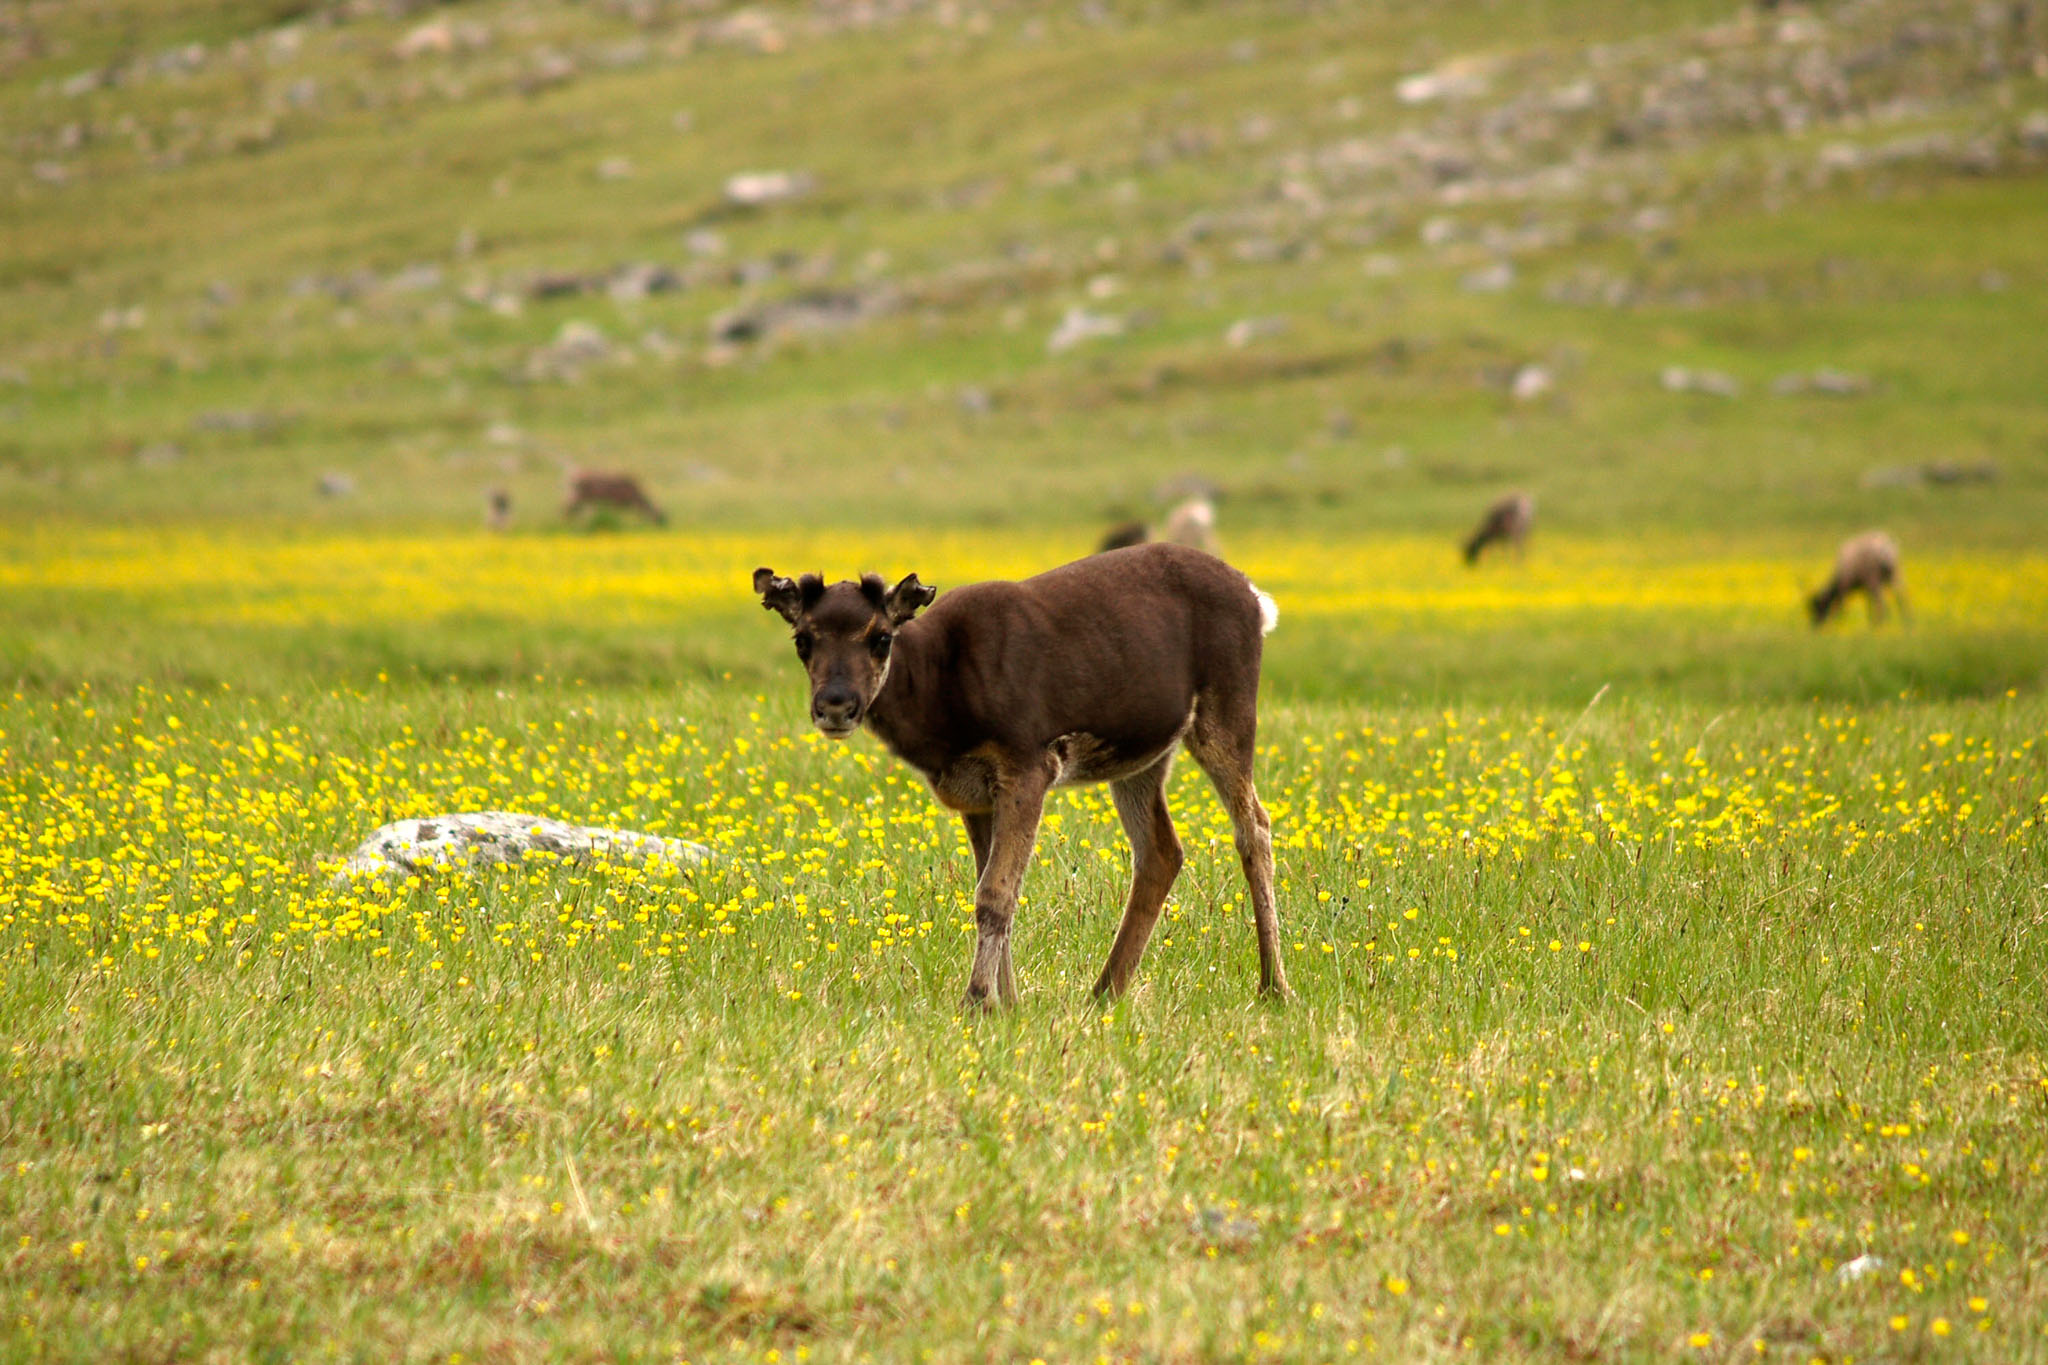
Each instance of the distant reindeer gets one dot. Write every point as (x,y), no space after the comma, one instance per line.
(1124,535)
(1092,672)
(1507,521)
(498,510)
(1868,564)
(1192,523)
(616,490)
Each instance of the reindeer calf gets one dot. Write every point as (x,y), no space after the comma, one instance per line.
(1093,672)
(1868,564)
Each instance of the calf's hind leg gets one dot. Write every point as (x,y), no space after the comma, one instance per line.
(1155,862)
(1224,742)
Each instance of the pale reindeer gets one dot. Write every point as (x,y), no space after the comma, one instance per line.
(1092,672)
(1508,521)
(1868,564)
(617,491)
(1192,522)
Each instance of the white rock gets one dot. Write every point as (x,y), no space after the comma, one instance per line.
(759,189)
(1530,383)
(1851,1271)
(439,842)
(1080,325)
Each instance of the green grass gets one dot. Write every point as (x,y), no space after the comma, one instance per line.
(1655,962)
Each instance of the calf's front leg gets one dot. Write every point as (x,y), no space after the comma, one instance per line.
(1020,799)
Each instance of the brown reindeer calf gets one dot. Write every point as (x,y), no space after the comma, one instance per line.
(1092,672)
(1507,521)
(619,491)
(1868,564)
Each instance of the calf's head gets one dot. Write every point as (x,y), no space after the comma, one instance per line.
(844,635)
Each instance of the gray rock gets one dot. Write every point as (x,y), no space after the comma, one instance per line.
(437,843)
(817,310)
(1245,331)
(1490,279)
(1679,379)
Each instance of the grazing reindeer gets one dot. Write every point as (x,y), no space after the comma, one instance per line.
(594,488)
(1123,536)
(1868,564)
(1508,520)
(1088,673)
(1191,523)
(498,510)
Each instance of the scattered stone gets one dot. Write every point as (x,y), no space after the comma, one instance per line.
(1245,331)
(1679,379)
(428,40)
(814,311)
(631,283)
(975,401)
(158,455)
(1491,279)
(238,421)
(416,278)
(705,242)
(548,70)
(764,189)
(1851,1271)
(1530,383)
(491,838)
(1948,473)
(1840,383)
(1891,476)
(1832,383)
(576,345)
(335,484)
(1931,473)
(2034,131)
(1465,78)
(615,168)
(558,284)
(1081,325)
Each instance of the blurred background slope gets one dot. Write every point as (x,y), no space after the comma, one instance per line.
(1687,268)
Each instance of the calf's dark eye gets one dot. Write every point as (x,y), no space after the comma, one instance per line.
(803,648)
(879,646)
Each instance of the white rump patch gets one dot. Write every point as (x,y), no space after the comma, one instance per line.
(1269,611)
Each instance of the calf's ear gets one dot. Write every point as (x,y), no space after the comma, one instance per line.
(906,599)
(778,594)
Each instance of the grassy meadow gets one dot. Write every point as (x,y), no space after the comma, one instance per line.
(1671,975)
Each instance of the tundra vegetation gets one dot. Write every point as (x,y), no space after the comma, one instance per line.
(1669,976)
